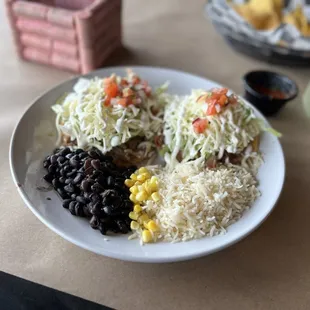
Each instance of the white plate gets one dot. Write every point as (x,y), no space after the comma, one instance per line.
(31,142)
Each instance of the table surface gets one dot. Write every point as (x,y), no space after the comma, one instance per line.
(270,269)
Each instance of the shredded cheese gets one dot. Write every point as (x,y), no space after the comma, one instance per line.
(197,202)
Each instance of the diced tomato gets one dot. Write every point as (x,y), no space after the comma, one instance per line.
(211,109)
(111,89)
(222,100)
(200,125)
(107,101)
(125,102)
(220,91)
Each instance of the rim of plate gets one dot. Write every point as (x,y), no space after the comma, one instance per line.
(125,256)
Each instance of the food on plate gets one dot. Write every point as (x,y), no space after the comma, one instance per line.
(213,125)
(191,201)
(115,114)
(107,128)
(91,186)
(269,14)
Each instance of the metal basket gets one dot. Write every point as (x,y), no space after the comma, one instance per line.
(284,45)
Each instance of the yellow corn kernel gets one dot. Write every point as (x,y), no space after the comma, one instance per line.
(147,236)
(137,208)
(134,225)
(138,183)
(143,218)
(147,175)
(141,196)
(132,197)
(143,170)
(133,215)
(147,187)
(151,225)
(129,183)
(141,177)
(154,179)
(153,185)
(155,196)
(134,190)
(141,188)
(133,177)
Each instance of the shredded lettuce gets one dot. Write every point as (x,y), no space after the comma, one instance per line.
(231,130)
(82,116)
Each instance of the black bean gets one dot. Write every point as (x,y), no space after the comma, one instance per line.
(52,168)
(95,208)
(86,211)
(62,172)
(96,164)
(127,204)
(122,226)
(93,154)
(48,177)
(62,180)
(88,167)
(110,181)
(64,151)
(109,194)
(108,210)
(85,186)
(96,174)
(68,181)
(67,168)
(74,163)
(48,158)
(79,209)
(72,173)
(94,222)
(114,227)
(72,207)
(97,188)
(87,195)
(95,197)
(73,196)
(103,229)
(66,203)
(69,188)
(60,160)
(78,178)
(126,174)
(70,155)
(54,159)
(62,193)
(46,164)
(82,200)
(56,183)
(83,155)
(79,151)
(116,202)
(102,180)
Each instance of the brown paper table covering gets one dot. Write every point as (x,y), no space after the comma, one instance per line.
(268,270)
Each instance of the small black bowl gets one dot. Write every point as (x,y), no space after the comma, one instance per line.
(269,91)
